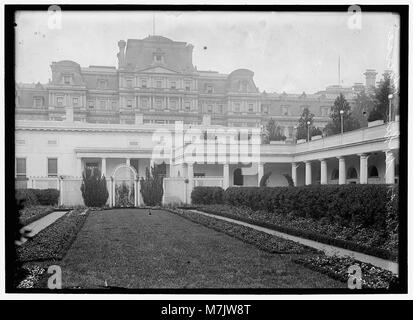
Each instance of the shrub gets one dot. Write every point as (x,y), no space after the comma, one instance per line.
(349,205)
(375,115)
(94,188)
(27,197)
(47,197)
(152,187)
(207,195)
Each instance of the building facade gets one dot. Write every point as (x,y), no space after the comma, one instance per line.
(114,117)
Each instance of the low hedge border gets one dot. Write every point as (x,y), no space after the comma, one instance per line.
(345,244)
(262,240)
(43,211)
(54,241)
(337,268)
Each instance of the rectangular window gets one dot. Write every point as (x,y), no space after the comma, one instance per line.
(129,104)
(158,103)
(265,109)
(324,111)
(172,104)
(75,102)
(284,110)
(113,105)
(52,167)
(91,104)
(102,84)
(209,89)
(102,104)
(129,83)
(237,107)
(38,102)
(144,83)
(187,85)
(67,79)
(209,108)
(59,101)
(158,58)
(21,167)
(250,107)
(173,85)
(144,103)
(187,106)
(159,84)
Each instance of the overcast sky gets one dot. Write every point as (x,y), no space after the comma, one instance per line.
(292,52)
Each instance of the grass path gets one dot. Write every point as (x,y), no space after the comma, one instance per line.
(129,248)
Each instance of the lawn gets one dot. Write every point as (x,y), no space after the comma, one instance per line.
(129,248)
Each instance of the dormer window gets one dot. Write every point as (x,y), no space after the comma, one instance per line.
(209,89)
(102,84)
(158,56)
(38,102)
(243,87)
(67,79)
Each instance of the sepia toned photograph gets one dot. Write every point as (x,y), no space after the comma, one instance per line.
(207,151)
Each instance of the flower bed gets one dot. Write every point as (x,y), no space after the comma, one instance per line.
(260,239)
(369,241)
(371,277)
(53,242)
(32,213)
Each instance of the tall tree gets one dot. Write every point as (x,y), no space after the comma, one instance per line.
(273,132)
(381,99)
(302,128)
(364,104)
(349,122)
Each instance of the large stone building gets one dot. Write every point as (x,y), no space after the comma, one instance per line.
(116,118)
(156,82)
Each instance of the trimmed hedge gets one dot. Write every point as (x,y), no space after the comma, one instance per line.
(207,195)
(350,205)
(44,197)
(345,244)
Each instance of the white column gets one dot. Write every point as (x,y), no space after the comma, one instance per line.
(307,173)
(60,181)
(390,167)
(128,161)
(225,176)
(323,171)
(190,180)
(113,194)
(79,167)
(260,172)
(294,167)
(341,170)
(104,166)
(363,168)
(136,193)
(110,193)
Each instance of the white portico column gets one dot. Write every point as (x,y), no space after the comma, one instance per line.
(363,168)
(128,161)
(79,167)
(390,167)
(104,166)
(294,167)
(225,183)
(190,173)
(323,171)
(260,172)
(341,170)
(307,173)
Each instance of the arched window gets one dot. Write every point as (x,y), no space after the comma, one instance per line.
(238,177)
(351,173)
(334,174)
(373,172)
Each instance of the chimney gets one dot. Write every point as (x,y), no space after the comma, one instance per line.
(121,54)
(370,75)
